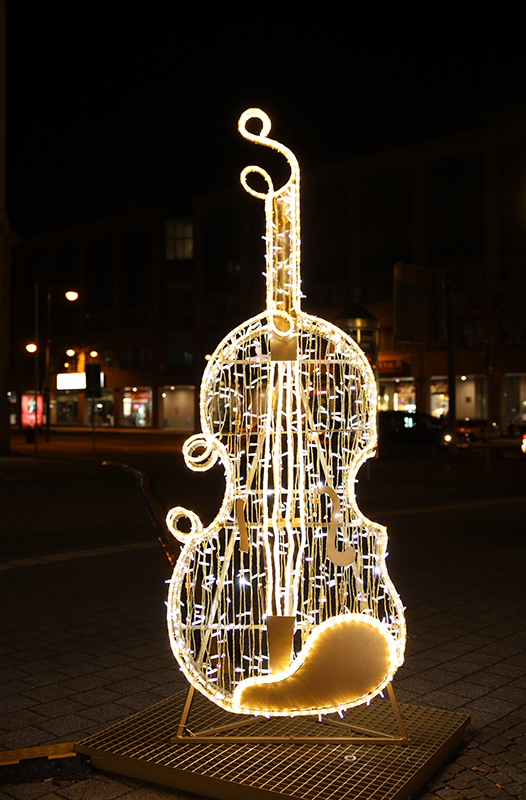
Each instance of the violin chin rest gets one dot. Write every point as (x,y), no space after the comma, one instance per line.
(343,662)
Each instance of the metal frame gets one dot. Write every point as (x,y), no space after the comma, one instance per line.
(216,735)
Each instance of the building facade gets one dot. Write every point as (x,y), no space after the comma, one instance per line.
(158,290)
(134,316)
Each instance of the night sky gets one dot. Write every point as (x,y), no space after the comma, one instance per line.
(107,111)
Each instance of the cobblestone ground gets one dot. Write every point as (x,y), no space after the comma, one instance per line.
(481,672)
(84,641)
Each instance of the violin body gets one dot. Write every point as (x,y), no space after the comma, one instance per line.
(283,604)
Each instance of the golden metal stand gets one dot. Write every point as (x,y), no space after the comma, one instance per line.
(185,735)
(140,747)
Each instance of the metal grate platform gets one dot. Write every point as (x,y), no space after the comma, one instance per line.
(140,747)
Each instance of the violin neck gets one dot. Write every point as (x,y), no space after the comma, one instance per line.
(283,250)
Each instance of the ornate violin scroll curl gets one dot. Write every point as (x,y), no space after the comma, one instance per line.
(201,452)
(262,138)
(282,229)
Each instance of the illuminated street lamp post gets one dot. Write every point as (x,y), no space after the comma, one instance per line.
(71,296)
(33,347)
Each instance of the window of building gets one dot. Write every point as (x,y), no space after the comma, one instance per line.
(177,407)
(99,410)
(397,395)
(471,332)
(137,406)
(520,329)
(145,357)
(179,239)
(177,305)
(513,330)
(127,358)
(63,407)
(439,397)
(178,351)
(515,403)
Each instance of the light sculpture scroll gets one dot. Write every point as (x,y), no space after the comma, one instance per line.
(283,606)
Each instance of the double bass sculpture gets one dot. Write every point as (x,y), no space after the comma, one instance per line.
(283,606)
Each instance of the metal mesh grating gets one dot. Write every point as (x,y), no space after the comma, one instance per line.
(140,746)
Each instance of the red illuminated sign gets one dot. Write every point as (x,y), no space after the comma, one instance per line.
(28,410)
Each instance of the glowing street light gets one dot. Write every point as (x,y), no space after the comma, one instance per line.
(31,347)
(71,295)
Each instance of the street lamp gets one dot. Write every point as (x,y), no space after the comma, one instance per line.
(33,347)
(71,296)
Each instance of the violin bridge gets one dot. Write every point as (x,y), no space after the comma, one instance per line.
(243,535)
(283,348)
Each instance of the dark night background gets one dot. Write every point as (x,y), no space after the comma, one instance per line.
(114,107)
(108,111)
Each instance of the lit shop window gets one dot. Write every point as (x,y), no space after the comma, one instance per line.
(137,406)
(179,239)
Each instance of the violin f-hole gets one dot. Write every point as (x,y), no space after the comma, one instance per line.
(338,557)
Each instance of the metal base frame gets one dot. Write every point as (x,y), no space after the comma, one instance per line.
(140,747)
(215,734)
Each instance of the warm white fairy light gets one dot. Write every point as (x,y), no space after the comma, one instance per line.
(288,405)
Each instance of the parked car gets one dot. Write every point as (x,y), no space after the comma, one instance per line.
(476,430)
(400,429)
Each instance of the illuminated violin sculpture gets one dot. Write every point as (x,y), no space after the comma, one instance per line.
(283,604)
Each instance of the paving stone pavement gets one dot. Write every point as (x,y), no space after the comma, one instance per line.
(84,644)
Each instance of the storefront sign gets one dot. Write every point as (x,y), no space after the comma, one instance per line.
(71,380)
(68,381)
(140,396)
(394,366)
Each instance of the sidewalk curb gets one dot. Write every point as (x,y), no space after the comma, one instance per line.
(155,510)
